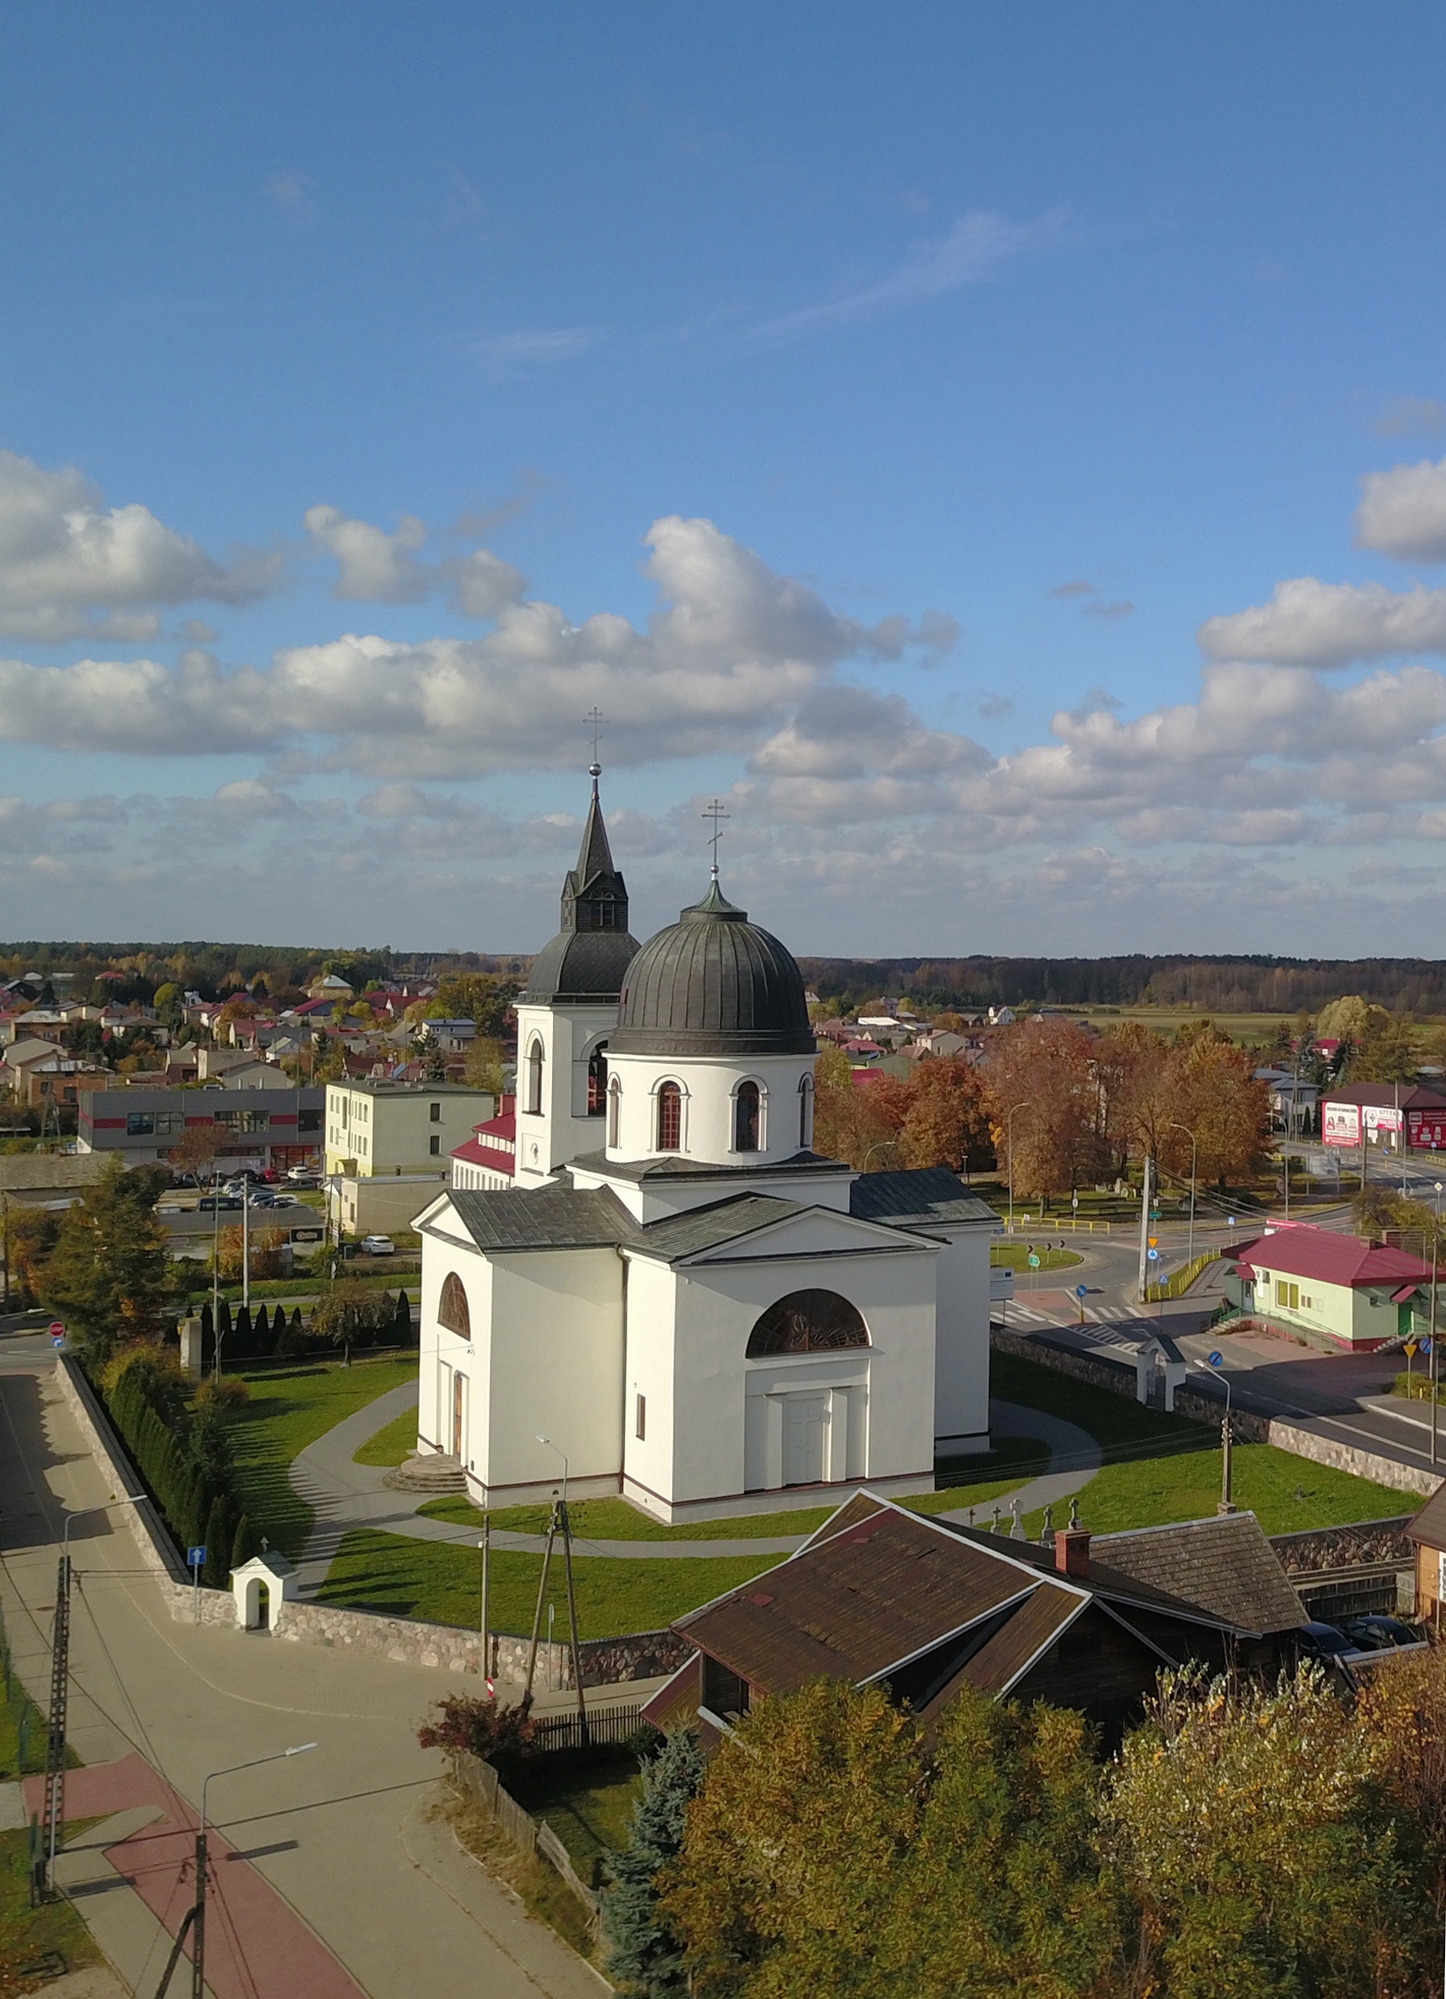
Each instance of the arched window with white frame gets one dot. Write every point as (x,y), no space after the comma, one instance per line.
(805,1113)
(747,1118)
(615,1109)
(597,1080)
(670,1118)
(534,1076)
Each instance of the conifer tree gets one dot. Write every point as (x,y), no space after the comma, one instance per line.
(220,1532)
(241,1341)
(644,1955)
(244,1543)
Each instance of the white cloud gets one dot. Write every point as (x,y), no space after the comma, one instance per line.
(70,568)
(1309,623)
(1403,512)
(374,567)
(977,245)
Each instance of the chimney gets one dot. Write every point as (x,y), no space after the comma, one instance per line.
(1072,1546)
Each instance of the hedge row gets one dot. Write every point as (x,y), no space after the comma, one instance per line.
(187,1469)
(264,1336)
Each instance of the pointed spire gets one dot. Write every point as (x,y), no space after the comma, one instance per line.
(594,896)
(594,856)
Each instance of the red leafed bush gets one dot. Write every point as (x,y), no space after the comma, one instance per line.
(477,1724)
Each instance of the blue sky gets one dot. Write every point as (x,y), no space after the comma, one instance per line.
(999,450)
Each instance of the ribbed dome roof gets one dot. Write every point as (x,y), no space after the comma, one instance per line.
(580,965)
(713,984)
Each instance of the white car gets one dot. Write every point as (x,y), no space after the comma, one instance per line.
(378,1245)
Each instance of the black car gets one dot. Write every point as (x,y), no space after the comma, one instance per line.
(1377,1632)
(1326,1641)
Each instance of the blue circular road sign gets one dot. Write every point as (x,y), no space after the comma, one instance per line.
(1081,1290)
(1216,1359)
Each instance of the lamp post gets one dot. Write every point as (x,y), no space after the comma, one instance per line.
(195,1917)
(1023,1105)
(53,1810)
(1227,1504)
(1194,1159)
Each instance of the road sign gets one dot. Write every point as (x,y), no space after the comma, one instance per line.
(1033,1261)
(196,1558)
(1154,1256)
(1231,1223)
(1426,1345)
(56,1329)
(1074,1200)
(1216,1359)
(1411,1348)
(1081,1291)
(1153,1241)
(57,1340)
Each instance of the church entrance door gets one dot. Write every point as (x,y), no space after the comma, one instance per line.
(459,1411)
(805,1438)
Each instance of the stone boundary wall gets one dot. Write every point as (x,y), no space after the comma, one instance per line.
(1367,1544)
(1247,1427)
(641,1655)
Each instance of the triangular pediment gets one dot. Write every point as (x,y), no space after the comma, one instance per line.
(753,1226)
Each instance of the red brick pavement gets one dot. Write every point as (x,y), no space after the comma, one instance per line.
(255,1941)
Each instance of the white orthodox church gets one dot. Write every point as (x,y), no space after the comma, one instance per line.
(677,1294)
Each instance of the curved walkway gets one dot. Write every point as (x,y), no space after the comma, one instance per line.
(344,1494)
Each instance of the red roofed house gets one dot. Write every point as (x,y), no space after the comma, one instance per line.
(488,1159)
(1337,1291)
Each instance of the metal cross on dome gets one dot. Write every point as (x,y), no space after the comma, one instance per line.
(717,811)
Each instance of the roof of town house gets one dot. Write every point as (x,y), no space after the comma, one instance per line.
(1385,1095)
(1223,1563)
(1305,1251)
(475,1153)
(32,1172)
(1429,1525)
(19,1053)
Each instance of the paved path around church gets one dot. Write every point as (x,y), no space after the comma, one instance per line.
(345,1495)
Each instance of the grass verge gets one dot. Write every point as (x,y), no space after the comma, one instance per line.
(390,1445)
(537,1886)
(1160,1468)
(289,1409)
(36,1945)
(588,1802)
(439,1582)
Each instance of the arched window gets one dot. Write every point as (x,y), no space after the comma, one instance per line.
(807,1322)
(670,1118)
(597,1080)
(534,1077)
(805,1113)
(745,1118)
(452,1307)
(615,1108)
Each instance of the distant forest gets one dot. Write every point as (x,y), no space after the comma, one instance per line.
(1213,985)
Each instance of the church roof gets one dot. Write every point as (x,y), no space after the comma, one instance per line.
(925,1195)
(674,1166)
(713,984)
(543,1218)
(675,1237)
(592,950)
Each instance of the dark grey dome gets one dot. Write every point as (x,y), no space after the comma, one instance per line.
(580,965)
(713,984)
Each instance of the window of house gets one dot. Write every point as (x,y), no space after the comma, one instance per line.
(640,1419)
(670,1118)
(534,1078)
(745,1118)
(434,1144)
(434,1111)
(140,1124)
(615,1107)
(308,1121)
(597,1080)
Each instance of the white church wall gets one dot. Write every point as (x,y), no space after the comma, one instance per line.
(709,1085)
(889,1411)
(961,1375)
(562,1129)
(556,1370)
(650,1201)
(648,1461)
(445,1354)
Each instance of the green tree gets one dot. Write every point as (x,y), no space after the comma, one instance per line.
(1250,1824)
(482,997)
(644,1955)
(352,1314)
(108,1276)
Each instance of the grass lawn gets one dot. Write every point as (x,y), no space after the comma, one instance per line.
(1015,1256)
(391,1445)
(36,1945)
(441,1583)
(1160,1468)
(994,1472)
(20,1719)
(588,1802)
(289,1409)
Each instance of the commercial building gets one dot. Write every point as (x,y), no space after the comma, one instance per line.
(260,1128)
(1388,1114)
(389,1147)
(1335,1291)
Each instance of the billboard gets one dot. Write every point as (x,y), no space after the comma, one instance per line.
(1426,1129)
(1341,1124)
(1384,1117)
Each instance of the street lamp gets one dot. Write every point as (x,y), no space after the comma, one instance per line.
(1216,1362)
(561,1454)
(1023,1105)
(195,1916)
(1194,1158)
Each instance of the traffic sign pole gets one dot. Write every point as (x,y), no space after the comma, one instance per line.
(196,1557)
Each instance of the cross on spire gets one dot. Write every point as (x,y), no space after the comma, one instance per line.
(717,811)
(598,722)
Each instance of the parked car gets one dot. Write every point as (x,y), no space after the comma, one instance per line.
(1376,1632)
(210,1204)
(284,1201)
(378,1245)
(1326,1641)
(302,1176)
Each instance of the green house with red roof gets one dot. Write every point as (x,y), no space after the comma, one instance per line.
(1337,1291)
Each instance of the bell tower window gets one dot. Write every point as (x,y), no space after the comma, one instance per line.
(615,1106)
(746,1118)
(805,1113)
(597,1080)
(670,1118)
(534,1078)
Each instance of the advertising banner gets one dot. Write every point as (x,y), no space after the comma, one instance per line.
(1426,1129)
(1341,1124)
(1384,1117)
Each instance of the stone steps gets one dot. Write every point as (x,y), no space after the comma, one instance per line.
(434,1473)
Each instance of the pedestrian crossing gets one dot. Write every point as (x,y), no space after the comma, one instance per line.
(1100,1315)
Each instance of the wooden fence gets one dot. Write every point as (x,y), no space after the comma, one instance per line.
(529,1835)
(606,1728)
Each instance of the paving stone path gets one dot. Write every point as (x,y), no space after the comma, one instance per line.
(344,1494)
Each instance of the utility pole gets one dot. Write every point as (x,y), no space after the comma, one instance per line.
(486,1546)
(1435,1371)
(53,1811)
(1145,1230)
(537,1614)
